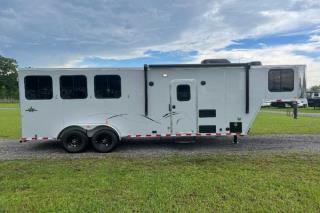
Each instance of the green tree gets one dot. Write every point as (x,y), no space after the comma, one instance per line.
(315,88)
(8,78)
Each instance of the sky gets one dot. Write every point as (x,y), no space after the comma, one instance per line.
(122,33)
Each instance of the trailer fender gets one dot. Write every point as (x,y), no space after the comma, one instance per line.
(70,128)
(91,132)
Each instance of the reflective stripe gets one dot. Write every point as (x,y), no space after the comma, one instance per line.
(182,135)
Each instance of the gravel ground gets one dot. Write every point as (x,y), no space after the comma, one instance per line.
(10,150)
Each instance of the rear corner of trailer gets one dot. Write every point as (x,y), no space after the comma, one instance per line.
(20,80)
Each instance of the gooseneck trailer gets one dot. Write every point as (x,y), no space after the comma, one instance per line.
(78,106)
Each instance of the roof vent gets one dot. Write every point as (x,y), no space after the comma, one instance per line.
(256,63)
(215,61)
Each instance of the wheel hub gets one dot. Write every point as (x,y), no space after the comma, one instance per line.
(74,142)
(104,140)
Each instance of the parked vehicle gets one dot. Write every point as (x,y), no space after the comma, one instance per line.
(266,103)
(301,102)
(313,98)
(104,105)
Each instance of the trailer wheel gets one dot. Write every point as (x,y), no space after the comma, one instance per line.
(104,140)
(74,141)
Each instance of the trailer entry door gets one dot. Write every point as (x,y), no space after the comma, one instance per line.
(183,106)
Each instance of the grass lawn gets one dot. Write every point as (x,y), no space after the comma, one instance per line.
(304,110)
(9,105)
(268,123)
(228,183)
(9,122)
(262,183)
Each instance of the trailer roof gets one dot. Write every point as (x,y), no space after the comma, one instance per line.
(146,66)
(200,65)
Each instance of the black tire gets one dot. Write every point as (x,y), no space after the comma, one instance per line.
(104,140)
(74,141)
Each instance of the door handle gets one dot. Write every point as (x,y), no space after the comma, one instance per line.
(173,106)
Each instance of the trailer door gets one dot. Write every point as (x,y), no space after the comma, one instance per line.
(183,106)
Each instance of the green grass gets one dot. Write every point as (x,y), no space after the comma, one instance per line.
(268,123)
(304,110)
(9,123)
(9,105)
(179,183)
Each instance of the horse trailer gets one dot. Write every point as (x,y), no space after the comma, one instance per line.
(102,106)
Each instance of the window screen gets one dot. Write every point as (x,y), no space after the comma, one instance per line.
(107,86)
(183,92)
(38,87)
(281,80)
(73,87)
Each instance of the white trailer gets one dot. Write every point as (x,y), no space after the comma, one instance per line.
(101,106)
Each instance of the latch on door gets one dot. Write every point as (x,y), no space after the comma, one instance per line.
(171,107)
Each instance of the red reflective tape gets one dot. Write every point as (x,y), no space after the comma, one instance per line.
(178,134)
(129,136)
(198,134)
(208,134)
(138,136)
(148,135)
(45,138)
(168,135)
(158,135)
(218,134)
(188,134)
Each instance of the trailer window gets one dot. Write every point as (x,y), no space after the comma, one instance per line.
(38,87)
(107,86)
(73,87)
(183,92)
(281,80)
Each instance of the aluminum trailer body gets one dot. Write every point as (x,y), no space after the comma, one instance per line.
(168,100)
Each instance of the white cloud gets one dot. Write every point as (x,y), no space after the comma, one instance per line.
(63,33)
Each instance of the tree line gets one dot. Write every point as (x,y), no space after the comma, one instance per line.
(8,79)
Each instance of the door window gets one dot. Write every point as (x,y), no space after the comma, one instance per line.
(183,92)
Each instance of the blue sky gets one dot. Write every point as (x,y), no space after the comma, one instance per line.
(122,33)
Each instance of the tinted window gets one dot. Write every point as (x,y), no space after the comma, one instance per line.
(38,87)
(183,92)
(107,86)
(73,87)
(281,80)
